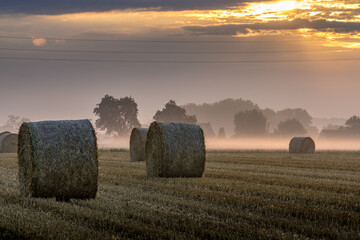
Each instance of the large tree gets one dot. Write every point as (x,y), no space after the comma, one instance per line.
(173,113)
(290,128)
(250,123)
(117,116)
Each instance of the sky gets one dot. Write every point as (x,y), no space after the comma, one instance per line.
(59,58)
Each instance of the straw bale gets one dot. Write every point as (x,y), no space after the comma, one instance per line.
(137,144)
(301,145)
(175,150)
(58,159)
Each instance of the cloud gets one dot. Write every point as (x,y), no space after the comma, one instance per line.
(337,13)
(319,25)
(39,41)
(75,6)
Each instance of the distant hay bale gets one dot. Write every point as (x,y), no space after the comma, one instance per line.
(175,150)
(58,159)
(137,144)
(302,145)
(8,142)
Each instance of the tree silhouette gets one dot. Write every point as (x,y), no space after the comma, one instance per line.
(14,122)
(290,127)
(173,113)
(221,113)
(250,123)
(274,118)
(117,116)
(353,123)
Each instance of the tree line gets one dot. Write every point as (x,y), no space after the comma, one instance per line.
(119,116)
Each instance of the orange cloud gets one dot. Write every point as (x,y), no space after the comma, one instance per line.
(39,41)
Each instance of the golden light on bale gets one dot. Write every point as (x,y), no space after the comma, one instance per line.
(137,144)
(8,142)
(302,145)
(58,159)
(175,150)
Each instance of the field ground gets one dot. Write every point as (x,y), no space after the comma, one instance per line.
(243,195)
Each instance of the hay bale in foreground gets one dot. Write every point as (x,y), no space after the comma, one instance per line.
(8,142)
(58,159)
(137,144)
(302,145)
(175,150)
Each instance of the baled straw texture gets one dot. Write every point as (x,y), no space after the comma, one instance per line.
(302,145)
(175,150)
(8,142)
(137,144)
(58,159)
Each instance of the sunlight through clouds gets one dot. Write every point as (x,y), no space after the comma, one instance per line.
(337,22)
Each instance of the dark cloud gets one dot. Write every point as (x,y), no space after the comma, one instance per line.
(73,6)
(320,25)
(337,13)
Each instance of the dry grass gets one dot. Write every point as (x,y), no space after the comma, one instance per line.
(250,195)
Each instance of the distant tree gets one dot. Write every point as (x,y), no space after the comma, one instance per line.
(250,123)
(221,113)
(174,113)
(290,127)
(269,113)
(353,123)
(300,114)
(117,116)
(14,122)
(221,133)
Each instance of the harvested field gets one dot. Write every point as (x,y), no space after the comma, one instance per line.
(249,195)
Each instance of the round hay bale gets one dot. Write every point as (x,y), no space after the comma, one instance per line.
(175,150)
(58,159)
(302,145)
(137,144)
(8,142)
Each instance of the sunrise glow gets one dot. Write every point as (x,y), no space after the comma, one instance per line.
(299,19)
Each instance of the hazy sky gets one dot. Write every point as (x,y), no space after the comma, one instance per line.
(278,54)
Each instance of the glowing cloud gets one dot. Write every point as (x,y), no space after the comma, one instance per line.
(39,42)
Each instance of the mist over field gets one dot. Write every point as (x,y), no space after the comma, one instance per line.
(238,144)
(278,144)
(229,124)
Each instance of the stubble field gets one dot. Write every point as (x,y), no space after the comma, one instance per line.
(242,195)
